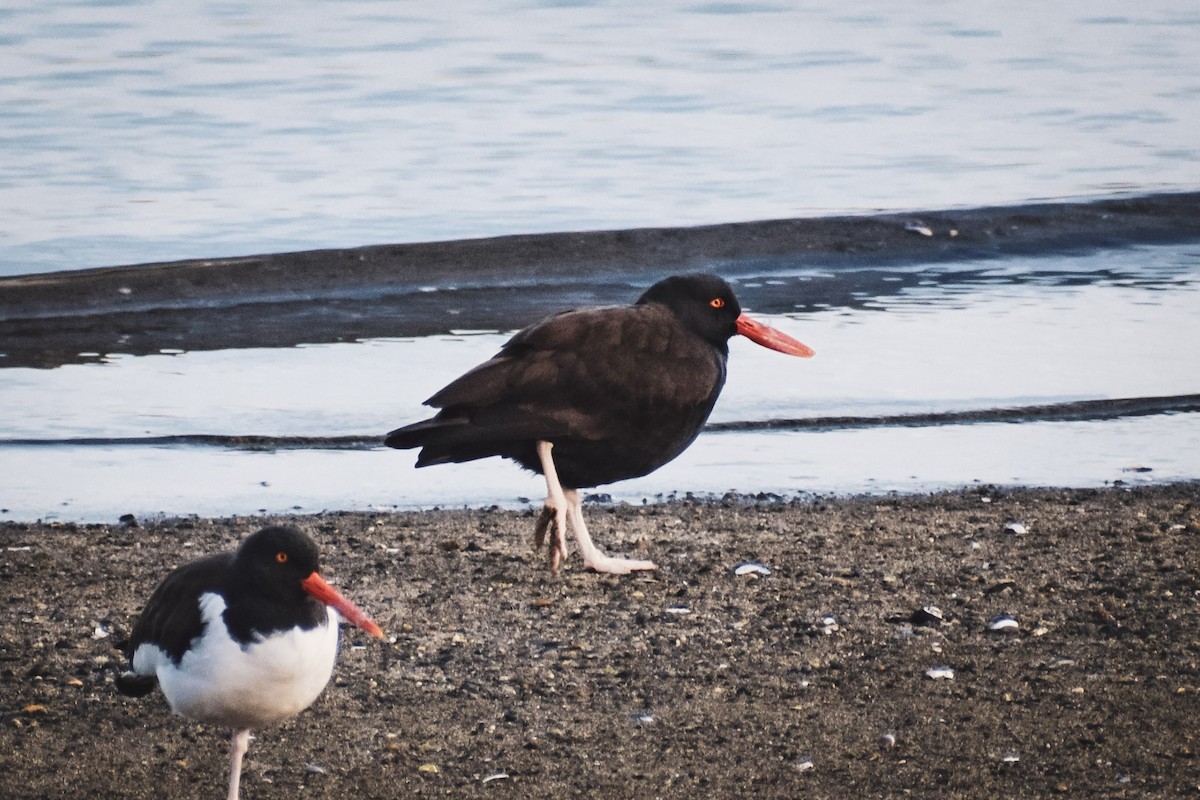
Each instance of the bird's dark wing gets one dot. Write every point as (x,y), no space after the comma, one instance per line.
(171,618)
(618,351)
(526,364)
(575,375)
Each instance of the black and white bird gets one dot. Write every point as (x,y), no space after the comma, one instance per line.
(242,639)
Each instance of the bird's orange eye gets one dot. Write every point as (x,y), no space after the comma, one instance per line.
(717,302)
(281,557)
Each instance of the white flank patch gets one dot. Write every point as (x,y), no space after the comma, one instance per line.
(219,682)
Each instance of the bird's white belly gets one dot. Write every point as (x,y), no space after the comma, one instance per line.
(221,683)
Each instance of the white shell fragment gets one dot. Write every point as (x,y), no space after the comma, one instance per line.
(804,764)
(678,610)
(916,226)
(497,776)
(1004,622)
(750,568)
(829,624)
(1015,528)
(940,673)
(1010,758)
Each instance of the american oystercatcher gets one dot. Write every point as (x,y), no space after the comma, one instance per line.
(242,639)
(593,396)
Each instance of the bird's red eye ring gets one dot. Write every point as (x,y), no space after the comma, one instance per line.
(281,557)
(717,302)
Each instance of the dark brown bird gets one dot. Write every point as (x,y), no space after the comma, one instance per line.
(593,396)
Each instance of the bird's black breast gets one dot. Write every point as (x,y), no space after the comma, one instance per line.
(248,618)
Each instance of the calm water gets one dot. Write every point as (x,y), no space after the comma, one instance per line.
(144,131)
(147,131)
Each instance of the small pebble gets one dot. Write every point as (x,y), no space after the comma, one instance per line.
(1000,586)
(940,673)
(1015,528)
(751,568)
(930,616)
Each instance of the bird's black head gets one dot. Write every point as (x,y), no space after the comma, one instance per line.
(274,584)
(275,560)
(703,303)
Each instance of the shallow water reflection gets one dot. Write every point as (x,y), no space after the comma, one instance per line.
(1000,343)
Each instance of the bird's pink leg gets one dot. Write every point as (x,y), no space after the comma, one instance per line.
(593,557)
(237,748)
(562,504)
(554,511)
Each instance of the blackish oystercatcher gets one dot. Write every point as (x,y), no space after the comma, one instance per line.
(244,639)
(593,396)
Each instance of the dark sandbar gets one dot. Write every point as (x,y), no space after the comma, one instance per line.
(280,300)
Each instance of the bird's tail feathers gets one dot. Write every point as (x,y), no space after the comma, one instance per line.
(414,435)
(453,438)
(132,684)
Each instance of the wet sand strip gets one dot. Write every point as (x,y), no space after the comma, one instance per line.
(1078,411)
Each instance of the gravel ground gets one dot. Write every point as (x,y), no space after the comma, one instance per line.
(501,680)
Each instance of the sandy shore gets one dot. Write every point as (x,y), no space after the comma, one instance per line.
(502,681)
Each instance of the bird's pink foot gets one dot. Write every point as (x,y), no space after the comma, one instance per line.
(617,566)
(543,525)
(552,522)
